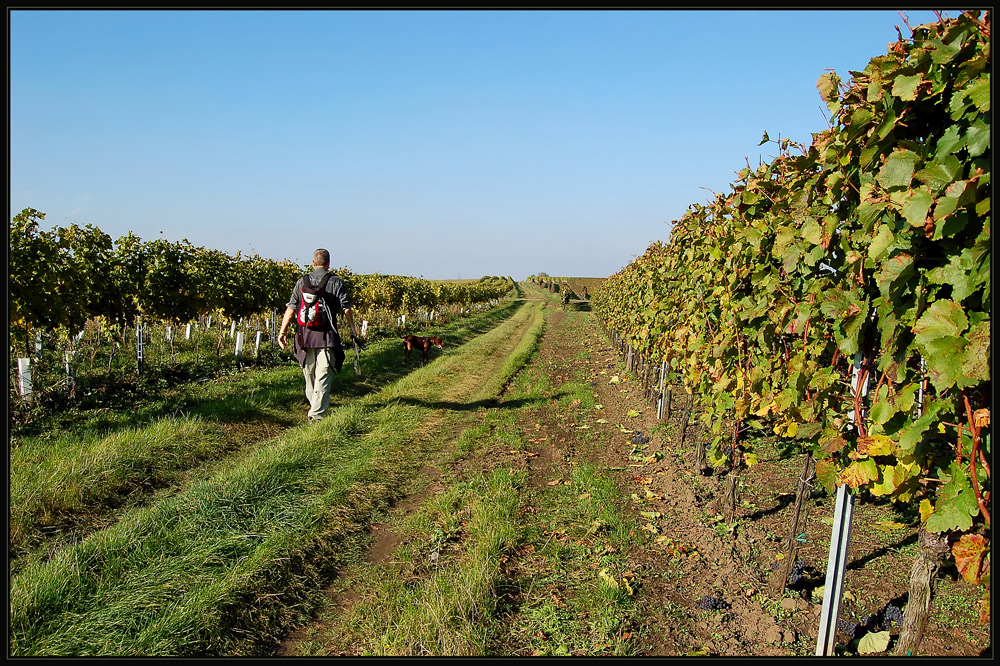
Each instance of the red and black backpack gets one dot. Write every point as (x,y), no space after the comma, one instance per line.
(313,311)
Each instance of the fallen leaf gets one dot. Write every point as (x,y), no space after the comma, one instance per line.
(555,483)
(632,413)
(874,642)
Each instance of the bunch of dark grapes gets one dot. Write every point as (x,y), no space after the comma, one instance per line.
(795,576)
(892,615)
(640,439)
(849,628)
(708,602)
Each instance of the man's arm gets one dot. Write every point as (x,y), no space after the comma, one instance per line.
(349,318)
(285,321)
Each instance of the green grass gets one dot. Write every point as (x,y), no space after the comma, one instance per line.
(78,474)
(437,594)
(230,562)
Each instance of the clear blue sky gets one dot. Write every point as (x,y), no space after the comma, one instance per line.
(441,144)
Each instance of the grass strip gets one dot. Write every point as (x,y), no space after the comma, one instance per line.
(52,482)
(226,566)
(438,595)
(63,481)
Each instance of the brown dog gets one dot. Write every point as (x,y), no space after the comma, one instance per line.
(411,342)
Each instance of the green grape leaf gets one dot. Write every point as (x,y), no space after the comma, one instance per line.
(916,207)
(956,504)
(905,87)
(897,172)
(944,318)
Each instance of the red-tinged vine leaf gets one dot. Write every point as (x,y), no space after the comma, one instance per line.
(828,86)
(860,473)
(976,357)
(830,445)
(970,557)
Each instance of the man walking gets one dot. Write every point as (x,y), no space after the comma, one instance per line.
(317,343)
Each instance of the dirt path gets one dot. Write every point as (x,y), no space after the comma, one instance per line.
(700,585)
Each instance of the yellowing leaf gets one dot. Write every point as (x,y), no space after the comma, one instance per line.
(926,509)
(750,459)
(632,413)
(859,473)
(888,525)
(876,445)
(607,579)
(615,380)
(873,642)
(786,429)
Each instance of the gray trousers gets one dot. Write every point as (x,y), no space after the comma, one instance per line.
(318,372)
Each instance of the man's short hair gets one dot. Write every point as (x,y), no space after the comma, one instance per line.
(321,257)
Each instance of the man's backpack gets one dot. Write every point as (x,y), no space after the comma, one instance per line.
(313,311)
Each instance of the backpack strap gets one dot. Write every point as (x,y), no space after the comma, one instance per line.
(319,288)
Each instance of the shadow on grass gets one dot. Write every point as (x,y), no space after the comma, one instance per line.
(488,403)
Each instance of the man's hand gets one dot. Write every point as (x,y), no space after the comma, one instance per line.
(360,342)
(282,339)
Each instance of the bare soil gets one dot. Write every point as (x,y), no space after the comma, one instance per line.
(695,554)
